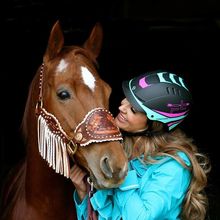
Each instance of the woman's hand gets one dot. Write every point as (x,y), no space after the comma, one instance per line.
(77,176)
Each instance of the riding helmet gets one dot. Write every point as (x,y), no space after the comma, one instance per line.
(161,95)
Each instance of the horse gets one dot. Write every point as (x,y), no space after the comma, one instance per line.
(66,121)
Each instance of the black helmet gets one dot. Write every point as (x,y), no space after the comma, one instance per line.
(162,95)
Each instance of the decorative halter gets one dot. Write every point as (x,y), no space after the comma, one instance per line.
(54,144)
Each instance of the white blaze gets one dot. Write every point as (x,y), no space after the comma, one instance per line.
(88,78)
(62,66)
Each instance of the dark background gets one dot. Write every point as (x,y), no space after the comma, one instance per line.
(181,36)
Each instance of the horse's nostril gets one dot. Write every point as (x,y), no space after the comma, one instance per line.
(106,167)
(123,173)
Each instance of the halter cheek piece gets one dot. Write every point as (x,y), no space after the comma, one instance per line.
(55,145)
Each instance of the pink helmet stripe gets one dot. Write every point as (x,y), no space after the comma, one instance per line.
(143,83)
(171,115)
(174,122)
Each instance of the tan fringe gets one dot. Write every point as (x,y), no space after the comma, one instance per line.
(52,148)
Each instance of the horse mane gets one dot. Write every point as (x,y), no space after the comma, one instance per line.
(13,189)
(12,186)
(30,103)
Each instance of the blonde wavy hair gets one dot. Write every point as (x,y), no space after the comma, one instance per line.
(164,143)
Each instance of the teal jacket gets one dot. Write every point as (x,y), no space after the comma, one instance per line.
(149,192)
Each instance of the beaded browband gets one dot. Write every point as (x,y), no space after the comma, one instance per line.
(55,145)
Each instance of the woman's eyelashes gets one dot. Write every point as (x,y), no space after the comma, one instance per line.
(133,110)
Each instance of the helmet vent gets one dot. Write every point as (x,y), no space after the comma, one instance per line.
(178,92)
(168,90)
(173,91)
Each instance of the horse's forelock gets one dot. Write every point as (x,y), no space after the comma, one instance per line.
(86,54)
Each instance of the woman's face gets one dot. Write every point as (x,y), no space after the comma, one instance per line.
(130,120)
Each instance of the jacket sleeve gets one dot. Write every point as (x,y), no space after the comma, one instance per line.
(101,202)
(81,207)
(165,187)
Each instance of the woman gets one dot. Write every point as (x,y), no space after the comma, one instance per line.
(167,175)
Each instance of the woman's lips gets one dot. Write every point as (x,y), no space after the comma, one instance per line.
(121,118)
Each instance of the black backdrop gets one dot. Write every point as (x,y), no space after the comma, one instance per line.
(180,36)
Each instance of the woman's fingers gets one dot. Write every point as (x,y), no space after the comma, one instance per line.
(77,176)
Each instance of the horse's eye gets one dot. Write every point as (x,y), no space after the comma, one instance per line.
(63,95)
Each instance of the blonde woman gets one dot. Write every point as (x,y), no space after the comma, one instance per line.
(167,175)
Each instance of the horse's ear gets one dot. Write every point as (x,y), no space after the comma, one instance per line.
(55,43)
(94,42)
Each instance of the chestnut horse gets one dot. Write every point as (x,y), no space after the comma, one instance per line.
(66,116)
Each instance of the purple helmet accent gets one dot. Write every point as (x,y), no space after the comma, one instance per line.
(162,95)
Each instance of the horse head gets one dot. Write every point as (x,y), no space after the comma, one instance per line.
(68,108)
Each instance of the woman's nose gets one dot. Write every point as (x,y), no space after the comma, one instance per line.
(123,107)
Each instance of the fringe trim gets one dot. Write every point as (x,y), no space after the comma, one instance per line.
(52,148)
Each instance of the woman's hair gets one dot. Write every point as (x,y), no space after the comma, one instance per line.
(168,144)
